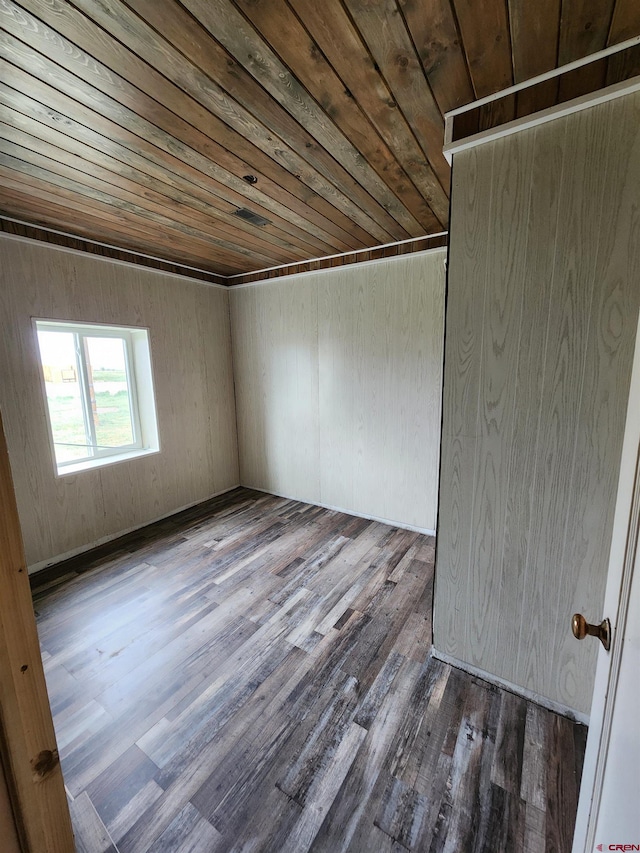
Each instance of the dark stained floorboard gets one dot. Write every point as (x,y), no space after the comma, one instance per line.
(254,674)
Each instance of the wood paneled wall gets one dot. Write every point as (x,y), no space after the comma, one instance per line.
(191,356)
(338,379)
(541,319)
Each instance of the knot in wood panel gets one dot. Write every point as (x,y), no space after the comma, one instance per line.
(44,763)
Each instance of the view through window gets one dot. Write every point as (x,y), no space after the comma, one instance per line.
(90,380)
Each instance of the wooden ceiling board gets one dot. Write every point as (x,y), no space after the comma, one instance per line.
(171,20)
(148,160)
(134,168)
(614,69)
(487,44)
(145,115)
(438,43)
(382,27)
(286,34)
(535,29)
(625,21)
(47,205)
(266,125)
(534,37)
(112,109)
(195,115)
(339,42)
(623,66)
(179,203)
(150,123)
(182,191)
(115,111)
(119,209)
(584,28)
(254,54)
(581,81)
(150,205)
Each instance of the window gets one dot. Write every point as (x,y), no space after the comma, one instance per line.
(99,392)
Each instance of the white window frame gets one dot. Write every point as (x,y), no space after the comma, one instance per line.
(144,423)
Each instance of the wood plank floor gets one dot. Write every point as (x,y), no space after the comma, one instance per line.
(254,675)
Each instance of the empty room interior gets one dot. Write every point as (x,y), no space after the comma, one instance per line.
(320,416)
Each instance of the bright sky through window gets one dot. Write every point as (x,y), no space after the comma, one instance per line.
(90,383)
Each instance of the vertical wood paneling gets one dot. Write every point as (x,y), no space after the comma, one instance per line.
(534,279)
(612,328)
(581,195)
(471,190)
(361,354)
(512,166)
(382,335)
(190,351)
(357,352)
(413,391)
(336,354)
(530,510)
(275,344)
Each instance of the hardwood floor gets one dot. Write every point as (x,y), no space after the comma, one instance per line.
(254,675)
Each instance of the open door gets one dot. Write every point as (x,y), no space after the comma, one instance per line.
(28,748)
(608,814)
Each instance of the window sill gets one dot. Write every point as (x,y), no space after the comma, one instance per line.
(103,461)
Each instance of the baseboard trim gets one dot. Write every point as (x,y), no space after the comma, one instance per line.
(34,568)
(549,704)
(425,530)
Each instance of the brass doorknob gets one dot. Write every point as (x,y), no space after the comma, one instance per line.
(581,628)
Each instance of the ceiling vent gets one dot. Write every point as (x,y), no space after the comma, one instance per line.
(250,216)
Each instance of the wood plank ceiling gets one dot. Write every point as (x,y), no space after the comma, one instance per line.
(149,124)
